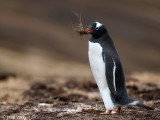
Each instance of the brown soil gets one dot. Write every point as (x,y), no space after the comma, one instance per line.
(70,98)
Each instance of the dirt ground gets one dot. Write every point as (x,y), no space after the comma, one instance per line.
(24,98)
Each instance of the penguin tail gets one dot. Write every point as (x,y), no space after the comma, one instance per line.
(140,105)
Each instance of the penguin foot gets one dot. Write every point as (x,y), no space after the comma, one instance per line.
(117,111)
(107,112)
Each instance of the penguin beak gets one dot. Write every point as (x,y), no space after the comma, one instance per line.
(88,30)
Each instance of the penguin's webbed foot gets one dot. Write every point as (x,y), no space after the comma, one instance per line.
(117,111)
(107,112)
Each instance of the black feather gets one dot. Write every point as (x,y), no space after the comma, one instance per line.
(143,106)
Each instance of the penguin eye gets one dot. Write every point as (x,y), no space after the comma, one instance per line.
(97,28)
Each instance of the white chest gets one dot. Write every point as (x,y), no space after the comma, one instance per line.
(98,70)
(96,63)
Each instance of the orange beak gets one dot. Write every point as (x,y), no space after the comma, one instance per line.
(88,30)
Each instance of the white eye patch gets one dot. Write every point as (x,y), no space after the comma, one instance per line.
(98,24)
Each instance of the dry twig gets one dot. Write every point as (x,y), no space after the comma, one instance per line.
(79,28)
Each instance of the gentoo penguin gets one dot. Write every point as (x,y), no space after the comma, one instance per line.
(107,70)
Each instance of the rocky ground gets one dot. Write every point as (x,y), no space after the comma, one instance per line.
(69,98)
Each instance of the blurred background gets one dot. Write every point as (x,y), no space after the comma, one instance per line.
(37,39)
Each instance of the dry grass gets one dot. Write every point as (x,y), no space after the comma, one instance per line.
(79,28)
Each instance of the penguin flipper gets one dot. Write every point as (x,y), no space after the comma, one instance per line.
(110,72)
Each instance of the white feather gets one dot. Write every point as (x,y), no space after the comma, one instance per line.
(133,103)
(114,70)
(98,70)
(98,24)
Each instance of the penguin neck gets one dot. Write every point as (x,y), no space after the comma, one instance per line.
(105,41)
(105,38)
(98,36)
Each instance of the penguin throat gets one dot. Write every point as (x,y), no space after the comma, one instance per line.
(96,36)
(99,35)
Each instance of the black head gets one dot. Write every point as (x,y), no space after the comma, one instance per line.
(96,29)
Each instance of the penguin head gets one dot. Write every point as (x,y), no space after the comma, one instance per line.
(96,29)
